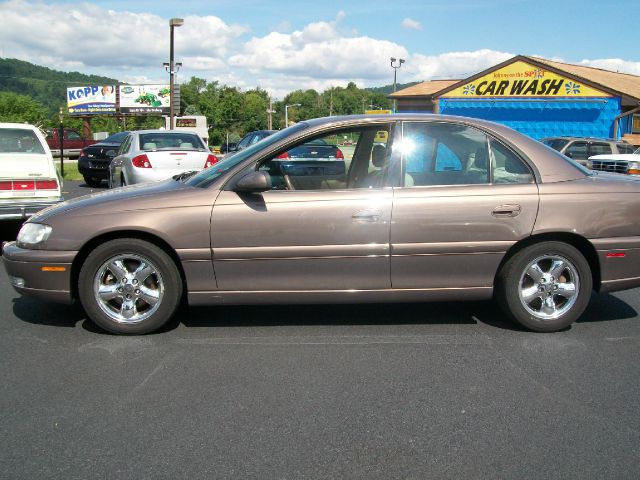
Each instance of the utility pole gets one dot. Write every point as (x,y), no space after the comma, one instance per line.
(270,111)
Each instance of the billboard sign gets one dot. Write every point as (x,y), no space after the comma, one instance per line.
(91,100)
(144,99)
(520,79)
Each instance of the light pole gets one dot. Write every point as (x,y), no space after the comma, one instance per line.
(395,71)
(174,22)
(286,113)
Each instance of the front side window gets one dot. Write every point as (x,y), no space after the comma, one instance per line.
(19,140)
(600,149)
(443,154)
(344,159)
(625,148)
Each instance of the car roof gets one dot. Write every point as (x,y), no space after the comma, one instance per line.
(25,126)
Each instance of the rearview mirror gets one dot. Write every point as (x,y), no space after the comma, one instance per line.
(259,181)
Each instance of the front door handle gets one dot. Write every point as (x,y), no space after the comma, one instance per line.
(509,210)
(366,216)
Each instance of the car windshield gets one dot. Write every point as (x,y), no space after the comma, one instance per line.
(637,152)
(207,176)
(19,140)
(170,141)
(116,137)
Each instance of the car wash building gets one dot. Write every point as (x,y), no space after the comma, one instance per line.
(539,98)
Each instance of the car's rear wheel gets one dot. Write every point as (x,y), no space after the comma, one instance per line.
(129,286)
(545,287)
(91,181)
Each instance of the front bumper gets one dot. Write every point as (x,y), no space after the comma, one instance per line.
(28,276)
(22,209)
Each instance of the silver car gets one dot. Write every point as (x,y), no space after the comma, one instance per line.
(152,155)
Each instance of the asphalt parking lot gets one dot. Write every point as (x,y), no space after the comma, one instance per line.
(447,390)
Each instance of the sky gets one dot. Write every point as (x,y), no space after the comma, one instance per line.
(286,46)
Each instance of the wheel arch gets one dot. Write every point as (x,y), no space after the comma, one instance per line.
(584,246)
(88,247)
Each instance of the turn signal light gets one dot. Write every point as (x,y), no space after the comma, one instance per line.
(141,161)
(283,155)
(211,160)
(633,171)
(46,185)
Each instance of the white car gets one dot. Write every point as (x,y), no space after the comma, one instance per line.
(29,180)
(152,155)
(625,163)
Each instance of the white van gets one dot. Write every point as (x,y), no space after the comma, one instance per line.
(29,180)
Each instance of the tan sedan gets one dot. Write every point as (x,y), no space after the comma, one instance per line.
(413,208)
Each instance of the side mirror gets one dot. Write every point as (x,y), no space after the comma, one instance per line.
(111,153)
(259,181)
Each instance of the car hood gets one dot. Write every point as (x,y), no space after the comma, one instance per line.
(630,157)
(133,197)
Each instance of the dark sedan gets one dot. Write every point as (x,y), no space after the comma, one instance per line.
(93,163)
(419,208)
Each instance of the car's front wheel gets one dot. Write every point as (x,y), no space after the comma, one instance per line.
(545,287)
(129,286)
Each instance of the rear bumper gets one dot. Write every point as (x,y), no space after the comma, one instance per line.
(24,268)
(21,209)
(93,168)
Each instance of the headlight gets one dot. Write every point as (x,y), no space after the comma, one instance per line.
(33,234)
(633,168)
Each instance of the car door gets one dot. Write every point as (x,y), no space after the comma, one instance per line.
(315,230)
(465,199)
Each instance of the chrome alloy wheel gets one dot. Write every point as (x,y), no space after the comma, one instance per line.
(549,287)
(128,288)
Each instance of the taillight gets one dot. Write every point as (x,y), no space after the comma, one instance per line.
(339,154)
(141,161)
(283,155)
(211,160)
(24,185)
(82,152)
(46,185)
(6,185)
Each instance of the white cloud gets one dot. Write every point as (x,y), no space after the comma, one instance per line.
(453,64)
(411,24)
(86,35)
(131,47)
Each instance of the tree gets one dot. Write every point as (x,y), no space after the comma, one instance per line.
(21,108)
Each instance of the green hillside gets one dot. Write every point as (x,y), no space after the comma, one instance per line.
(46,86)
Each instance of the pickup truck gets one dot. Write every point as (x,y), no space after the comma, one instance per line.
(73,142)
(628,164)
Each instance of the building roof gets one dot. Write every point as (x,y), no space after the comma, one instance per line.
(623,83)
(424,89)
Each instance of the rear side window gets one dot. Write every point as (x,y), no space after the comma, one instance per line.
(555,143)
(577,151)
(507,167)
(19,140)
(444,154)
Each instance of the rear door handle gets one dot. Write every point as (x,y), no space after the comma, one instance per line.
(366,216)
(509,210)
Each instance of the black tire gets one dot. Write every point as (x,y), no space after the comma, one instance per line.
(116,268)
(92,182)
(529,292)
